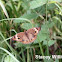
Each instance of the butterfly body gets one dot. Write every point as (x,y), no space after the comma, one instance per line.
(26,37)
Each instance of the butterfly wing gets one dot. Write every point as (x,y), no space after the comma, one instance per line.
(26,37)
(32,34)
(20,37)
(34,31)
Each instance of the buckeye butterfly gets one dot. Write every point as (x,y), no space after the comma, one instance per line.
(28,36)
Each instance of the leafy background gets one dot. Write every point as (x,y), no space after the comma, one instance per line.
(19,15)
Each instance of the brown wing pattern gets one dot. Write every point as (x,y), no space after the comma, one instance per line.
(26,37)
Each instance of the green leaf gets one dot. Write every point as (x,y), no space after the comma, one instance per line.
(27,26)
(42,36)
(49,24)
(37,3)
(55,0)
(48,60)
(30,16)
(44,33)
(9,54)
(4,9)
(25,4)
(51,6)
(56,60)
(50,42)
(8,59)
(20,20)
(20,44)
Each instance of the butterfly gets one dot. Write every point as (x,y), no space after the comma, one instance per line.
(28,36)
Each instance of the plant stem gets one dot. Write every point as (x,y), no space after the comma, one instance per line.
(6,42)
(46,10)
(23,54)
(40,47)
(28,60)
(31,54)
(47,49)
(46,20)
